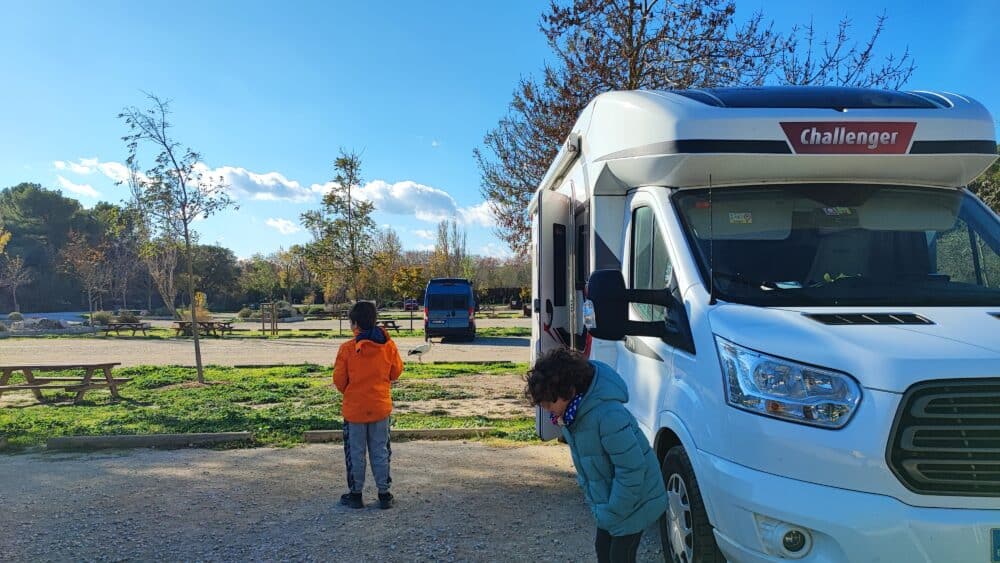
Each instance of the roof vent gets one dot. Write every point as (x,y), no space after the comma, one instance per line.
(870,319)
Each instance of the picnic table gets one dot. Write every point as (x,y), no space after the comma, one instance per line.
(389,323)
(80,385)
(118,327)
(215,328)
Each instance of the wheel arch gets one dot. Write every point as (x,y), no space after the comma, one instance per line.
(673,432)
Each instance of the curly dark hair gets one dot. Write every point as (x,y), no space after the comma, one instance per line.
(559,374)
(363,314)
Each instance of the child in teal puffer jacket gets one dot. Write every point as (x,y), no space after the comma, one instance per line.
(615,466)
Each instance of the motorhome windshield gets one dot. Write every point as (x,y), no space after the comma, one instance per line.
(844,245)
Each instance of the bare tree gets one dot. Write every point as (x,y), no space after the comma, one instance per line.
(13,275)
(175,191)
(160,258)
(602,45)
(840,61)
(88,264)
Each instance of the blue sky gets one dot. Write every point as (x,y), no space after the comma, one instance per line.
(268,92)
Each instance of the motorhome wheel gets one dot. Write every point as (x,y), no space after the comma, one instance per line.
(685,532)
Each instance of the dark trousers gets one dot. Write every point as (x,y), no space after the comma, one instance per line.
(616,549)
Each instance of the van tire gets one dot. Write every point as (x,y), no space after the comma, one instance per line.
(679,475)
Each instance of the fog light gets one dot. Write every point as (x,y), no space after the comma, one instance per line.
(783,539)
(794,541)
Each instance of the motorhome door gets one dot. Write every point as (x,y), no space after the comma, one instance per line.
(552,248)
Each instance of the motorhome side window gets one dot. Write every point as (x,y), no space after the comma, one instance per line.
(651,268)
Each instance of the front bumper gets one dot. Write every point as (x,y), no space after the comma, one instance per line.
(845,525)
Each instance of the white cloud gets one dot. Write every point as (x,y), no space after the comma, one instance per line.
(478,215)
(269,186)
(114,170)
(426,203)
(435,144)
(425,234)
(83,167)
(283,226)
(423,247)
(79,189)
(495,250)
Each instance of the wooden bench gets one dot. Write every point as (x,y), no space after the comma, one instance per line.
(118,327)
(389,323)
(80,385)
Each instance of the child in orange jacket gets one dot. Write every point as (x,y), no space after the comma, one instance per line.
(365,370)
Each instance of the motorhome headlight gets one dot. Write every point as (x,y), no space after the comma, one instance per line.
(785,389)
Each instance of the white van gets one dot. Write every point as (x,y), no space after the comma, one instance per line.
(804,301)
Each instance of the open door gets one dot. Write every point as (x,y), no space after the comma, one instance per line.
(553,290)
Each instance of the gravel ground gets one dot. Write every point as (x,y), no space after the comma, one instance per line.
(238,351)
(456,501)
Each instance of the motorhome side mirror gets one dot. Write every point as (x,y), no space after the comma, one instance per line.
(606,290)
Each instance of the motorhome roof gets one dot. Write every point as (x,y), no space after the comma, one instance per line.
(744,136)
(820,97)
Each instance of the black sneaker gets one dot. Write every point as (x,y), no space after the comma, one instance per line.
(352,500)
(385,500)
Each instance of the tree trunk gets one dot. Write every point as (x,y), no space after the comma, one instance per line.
(194,316)
(13,293)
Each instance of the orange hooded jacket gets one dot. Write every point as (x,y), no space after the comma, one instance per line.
(364,372)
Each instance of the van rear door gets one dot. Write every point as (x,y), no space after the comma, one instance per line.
(448,306)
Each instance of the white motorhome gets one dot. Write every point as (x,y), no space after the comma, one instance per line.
(804,301)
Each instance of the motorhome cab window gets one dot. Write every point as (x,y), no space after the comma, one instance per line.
(650,263)
(842,245)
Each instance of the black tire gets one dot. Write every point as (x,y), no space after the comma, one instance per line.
(701,539)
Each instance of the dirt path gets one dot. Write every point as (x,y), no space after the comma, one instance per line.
(495,396)
(237,351)
(456,502)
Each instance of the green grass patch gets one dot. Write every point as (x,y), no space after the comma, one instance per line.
(429,371)
(277,404)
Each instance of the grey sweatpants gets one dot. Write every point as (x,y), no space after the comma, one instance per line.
(373,437)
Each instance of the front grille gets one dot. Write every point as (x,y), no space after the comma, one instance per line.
(946,438)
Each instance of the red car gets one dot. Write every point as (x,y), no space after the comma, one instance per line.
(411,305)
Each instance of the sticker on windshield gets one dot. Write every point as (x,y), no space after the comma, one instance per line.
(837,211)
(745,218)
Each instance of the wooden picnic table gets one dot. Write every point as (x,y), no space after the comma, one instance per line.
(389,323)
(80,385)
(118,327)
(215,328)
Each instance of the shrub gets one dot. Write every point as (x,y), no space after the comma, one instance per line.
(314,309)
(15,317)
(49,324)
(285,312)
(102,318)
(283,305)
(128,317)
(245,313)
(3,327)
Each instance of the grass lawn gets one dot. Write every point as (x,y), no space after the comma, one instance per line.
(167,333)
(276,404)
